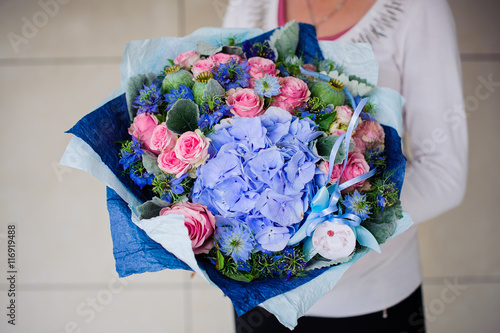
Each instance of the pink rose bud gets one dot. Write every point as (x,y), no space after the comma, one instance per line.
(356,166)
(294,93)
(168,162)
(222,58)
(199,222)
(368,135)
(187,59)
(192,147)
(202,66)
(260,67)
(162,138)
(324,165)
(342,118)
(142,129)
(245,102)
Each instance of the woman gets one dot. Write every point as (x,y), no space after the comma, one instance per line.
(415,45)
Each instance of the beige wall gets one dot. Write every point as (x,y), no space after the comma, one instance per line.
(67,65)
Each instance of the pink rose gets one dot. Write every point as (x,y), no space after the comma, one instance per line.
(187,59)
(142,129)
(192,147)
(222,58)
(294,93)
(342,118)
(199,222)
(324,165)
(368,134)
(162,138)
(168,162)
(356,166)
(202,66)
(245,102)
(310,67)
(260,67)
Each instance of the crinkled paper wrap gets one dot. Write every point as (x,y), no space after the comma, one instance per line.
(154,246)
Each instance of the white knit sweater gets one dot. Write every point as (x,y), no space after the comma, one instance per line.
(415,45)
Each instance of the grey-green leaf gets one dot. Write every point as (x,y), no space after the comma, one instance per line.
(207,49)
(151,208)
(383,226)
(213,89)
(150,162)
(133,85)
(324,147)
(285,39)
(183,116)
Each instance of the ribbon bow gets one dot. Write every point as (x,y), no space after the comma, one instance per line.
(325,206)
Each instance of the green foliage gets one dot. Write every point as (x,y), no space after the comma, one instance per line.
(133,85)
(285,39)
(151,208)
(150,162)
(325,121)
(183,116)
(212,90)
(324,147)
(207,49)
(383,225)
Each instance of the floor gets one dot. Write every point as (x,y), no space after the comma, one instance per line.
(58,60)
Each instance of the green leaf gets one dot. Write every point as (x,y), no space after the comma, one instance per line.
(285,40)
(213,89)
(207,49)
(183,116)
(150,162)
(220,260)
(325,120)
(151,208)
(324,147)
(133,85)
(383,226)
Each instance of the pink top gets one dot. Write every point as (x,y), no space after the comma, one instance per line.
(282,21)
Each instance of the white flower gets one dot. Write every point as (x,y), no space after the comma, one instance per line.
(354,86)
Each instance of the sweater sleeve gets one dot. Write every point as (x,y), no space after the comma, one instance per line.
(434,116)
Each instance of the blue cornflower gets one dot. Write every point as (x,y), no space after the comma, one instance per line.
(128,158)
(212,112)
(267,86)
(232,74)
(148,99)
(183,92)
(235,240)
(356,204)
(141,177)
(381,202)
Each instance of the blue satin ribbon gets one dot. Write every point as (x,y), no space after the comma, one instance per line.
(325,205)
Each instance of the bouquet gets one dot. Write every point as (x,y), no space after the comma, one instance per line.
(266,162)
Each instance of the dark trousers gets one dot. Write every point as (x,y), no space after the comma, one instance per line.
(404,317)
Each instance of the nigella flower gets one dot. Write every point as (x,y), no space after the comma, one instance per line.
(267,86)
(183,92)
(313,107)
(130,153)
(167,186)
(356,204)
(262,50)
(232,74)
(234,239)
(148,99)
(381,202)
(290,262)
(211,113)
(141,177)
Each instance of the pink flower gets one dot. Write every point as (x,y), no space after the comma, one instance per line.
(222,58)
(202,66)
(162,138)
(142,129)
(310,67)
(168,162)
(342,118)
(324,165)
(356,166)
(192,147)
(294,93)
(368,134)
(187,59)
(260,67)
(245,102)
(199,222)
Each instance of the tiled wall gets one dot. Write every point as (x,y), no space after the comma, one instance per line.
(62,67)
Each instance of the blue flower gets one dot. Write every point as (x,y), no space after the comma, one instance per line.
(259,50)
(267,86)
(356,204)
(131,153)
(148,99)
(277,123)
(234,239)
(266,164)
(284,210)
(381,202)
(141,177)
(166,186)
(302,130)
(273,238)
(212,112)
(183,92)
(232,74)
